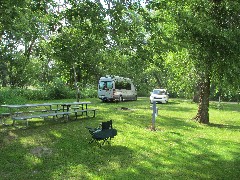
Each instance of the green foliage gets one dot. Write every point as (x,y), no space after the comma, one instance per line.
(22,25)
(58,90)
(12,96)
(89,92)
(36,94)
(213,43)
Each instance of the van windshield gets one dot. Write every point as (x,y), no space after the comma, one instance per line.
(105,85)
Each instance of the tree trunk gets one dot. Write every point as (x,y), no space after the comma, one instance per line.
(1,35)
(158,80)
(203,107)
(195,98)
(28,50)
(3,70)
(76,85)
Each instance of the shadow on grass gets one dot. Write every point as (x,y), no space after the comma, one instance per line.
(224,126)
(181,151)
(68,147)
(172,102)
(225,106)
(179,156)
(171,155)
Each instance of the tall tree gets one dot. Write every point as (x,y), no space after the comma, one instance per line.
(81,40)
(22,25)
(8,13)
(213,44)
(126,40)
(209,30)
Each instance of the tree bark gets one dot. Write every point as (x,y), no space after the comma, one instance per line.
(76,84)
(158,80)
(28,50)
(203,106)
(195,98)
(4,73)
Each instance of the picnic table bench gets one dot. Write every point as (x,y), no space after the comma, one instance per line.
(76,111)
(22,113)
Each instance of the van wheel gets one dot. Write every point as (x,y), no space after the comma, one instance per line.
(120,99)
(135,98)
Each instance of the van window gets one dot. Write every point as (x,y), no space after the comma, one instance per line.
(105,85)
(122,85)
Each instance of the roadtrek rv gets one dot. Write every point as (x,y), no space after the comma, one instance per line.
(115,88)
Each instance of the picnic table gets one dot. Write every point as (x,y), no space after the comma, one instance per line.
(22,112)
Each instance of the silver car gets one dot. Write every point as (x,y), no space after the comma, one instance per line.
(159,95)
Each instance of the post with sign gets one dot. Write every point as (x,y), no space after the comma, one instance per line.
(154,115)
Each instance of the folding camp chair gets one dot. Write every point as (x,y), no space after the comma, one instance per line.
(102,134)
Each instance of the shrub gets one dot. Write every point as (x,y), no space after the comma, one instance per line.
(57,90)
(38,94)
(89,92)
(12,96)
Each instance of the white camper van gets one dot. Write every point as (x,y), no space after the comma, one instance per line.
(115,88)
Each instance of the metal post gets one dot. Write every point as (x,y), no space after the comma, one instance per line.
(154,114)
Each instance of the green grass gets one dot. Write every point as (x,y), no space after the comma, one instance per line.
(179,149)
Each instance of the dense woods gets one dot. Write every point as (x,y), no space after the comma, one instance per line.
(189,47)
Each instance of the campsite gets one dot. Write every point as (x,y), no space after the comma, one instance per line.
(119,89)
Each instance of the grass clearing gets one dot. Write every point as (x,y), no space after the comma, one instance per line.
(179,149)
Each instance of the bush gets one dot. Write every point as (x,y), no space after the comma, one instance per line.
(55,90)
(12,96)
(89,92)
(58,90)
(37,94)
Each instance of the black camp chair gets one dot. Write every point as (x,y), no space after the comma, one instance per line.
(102,134)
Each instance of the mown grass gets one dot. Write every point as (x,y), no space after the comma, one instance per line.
(179,149)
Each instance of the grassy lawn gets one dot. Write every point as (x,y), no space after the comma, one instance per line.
(179,149)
